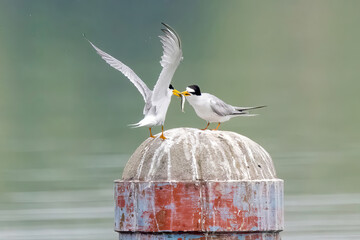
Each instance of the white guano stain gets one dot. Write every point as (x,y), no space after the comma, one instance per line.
(153,207)
(250,157)
(159,154)
(243,169)
(223,155)
(193,138)
(169,166)
(142,162)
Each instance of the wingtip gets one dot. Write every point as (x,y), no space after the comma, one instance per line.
(84,36)
(171,31)
(168,28)
(257,107)
(166,25)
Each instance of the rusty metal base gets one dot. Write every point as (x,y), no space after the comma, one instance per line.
(199,236)
(199,206)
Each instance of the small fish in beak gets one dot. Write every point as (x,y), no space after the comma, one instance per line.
(183,99)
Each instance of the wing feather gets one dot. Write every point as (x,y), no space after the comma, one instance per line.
(220,107)
(170,60)
(128,72)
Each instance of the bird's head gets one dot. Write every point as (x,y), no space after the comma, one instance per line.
(174,91)
(192,90)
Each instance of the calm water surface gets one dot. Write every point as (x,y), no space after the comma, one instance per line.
(72,198)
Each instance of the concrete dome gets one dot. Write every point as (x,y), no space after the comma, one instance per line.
(193,154)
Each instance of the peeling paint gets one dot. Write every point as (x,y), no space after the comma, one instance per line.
(202,206)
(200,236)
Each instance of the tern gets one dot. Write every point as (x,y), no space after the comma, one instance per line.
(211,108)
(156,101)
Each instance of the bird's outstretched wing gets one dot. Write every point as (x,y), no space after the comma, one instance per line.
(128,72)
(170,60)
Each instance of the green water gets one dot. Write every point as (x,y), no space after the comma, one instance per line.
(64,112)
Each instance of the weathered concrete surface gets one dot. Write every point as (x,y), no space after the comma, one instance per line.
(193,154)
(199,185)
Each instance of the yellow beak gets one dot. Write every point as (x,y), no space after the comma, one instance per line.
(186,93)
(176,93)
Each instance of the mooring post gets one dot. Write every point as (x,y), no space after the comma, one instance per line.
(199,185)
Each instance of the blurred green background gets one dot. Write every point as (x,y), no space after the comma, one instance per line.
(64,112)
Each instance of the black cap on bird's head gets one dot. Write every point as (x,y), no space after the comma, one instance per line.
(174,91)
(192,90)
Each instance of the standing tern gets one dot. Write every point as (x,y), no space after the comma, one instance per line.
(212,109)
(158,100)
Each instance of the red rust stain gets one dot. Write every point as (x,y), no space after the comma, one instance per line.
(120,192)
(122,220)
(161,217)
(226,216)
(125,201)
(120,201)
(177,208)
(187,206)
(254,237)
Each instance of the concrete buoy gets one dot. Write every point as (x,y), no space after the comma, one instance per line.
(197,185)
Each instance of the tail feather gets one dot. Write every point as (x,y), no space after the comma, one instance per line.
(146,122)
(134,125)
(243,111)
(248,108)
(244,114)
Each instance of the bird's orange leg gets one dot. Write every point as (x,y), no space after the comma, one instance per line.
(206,126)
(152,136)
(217,127)
(162,133)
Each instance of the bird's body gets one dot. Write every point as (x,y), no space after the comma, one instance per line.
(158,100)
(202,106)
(213,109)
(155,114)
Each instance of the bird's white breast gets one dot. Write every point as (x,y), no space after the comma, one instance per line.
(202,107)
(161,108)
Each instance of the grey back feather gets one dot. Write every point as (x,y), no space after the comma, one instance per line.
(220,107)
